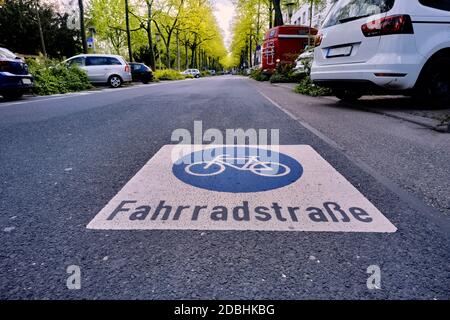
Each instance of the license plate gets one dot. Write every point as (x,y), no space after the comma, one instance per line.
(26,81)
(339,52)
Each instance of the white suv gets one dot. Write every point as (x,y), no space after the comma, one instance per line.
(103,68)
(395,45)
(193,72)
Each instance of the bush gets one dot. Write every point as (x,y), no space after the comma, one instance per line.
(168,74)
(280,78)
(205,73)
(258,75)
(307,87)
(285,74)
(52,77)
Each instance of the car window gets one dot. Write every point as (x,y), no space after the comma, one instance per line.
(76,62)
(113,61)
(137,67)
(437,4)
(96,61)
(347,10)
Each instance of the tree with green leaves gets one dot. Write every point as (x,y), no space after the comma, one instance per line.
(21,20)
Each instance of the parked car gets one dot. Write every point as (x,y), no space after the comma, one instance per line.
(303,61)
(212,72)
(397,45)
(141,72)
(193,72)
(15,79)
(103,68)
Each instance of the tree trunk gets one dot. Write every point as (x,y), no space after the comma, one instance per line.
(82,26)
(270,14)
(278,14)
(311,3)
(149,35)
(178,51)
(41,34)
(127,22)
(186,52)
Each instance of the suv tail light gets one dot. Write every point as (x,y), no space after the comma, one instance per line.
(318,40)
(127,68)
(398,24)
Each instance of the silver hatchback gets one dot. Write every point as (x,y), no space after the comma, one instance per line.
(103,68)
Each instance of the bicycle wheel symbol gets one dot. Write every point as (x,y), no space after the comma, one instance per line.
(205,169)
(270,169)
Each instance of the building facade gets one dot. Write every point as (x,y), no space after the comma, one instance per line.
(301,15)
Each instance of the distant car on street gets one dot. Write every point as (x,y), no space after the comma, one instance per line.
(103,68)
(399,46)
(15,79)
(141,72)
(212,72)
(193,72)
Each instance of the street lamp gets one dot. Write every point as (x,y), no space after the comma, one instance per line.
(290,9)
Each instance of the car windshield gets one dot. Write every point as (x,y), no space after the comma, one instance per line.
(7,54)
(349,10)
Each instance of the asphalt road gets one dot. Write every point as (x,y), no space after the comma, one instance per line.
(63,158)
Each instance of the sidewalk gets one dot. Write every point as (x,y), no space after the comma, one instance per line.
(399,107)
(411,157)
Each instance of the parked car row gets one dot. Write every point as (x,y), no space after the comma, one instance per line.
(15,79)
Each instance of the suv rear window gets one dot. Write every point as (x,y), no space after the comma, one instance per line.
(348,10)
(437,4)
(113,61)
(96,61)
(102,61)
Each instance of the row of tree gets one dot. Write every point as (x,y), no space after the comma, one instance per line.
(162,33)
(169,33)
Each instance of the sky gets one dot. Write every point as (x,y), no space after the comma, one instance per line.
(224,11)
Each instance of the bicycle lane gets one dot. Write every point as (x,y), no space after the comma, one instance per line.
(248,257)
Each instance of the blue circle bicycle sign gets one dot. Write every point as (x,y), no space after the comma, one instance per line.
(237,169)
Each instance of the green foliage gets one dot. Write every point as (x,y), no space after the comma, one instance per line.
(19,29)
(307,87)
(205,73)
(258,75)
(51,77)
(285,74)
(168,74)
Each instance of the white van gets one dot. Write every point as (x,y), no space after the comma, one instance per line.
(103,68)
(400,46)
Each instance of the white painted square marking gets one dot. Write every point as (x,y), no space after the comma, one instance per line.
(289,188)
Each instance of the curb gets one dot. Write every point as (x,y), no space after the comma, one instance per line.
(428,123)
(432,124)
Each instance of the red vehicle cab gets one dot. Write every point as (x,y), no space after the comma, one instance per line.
(284,43)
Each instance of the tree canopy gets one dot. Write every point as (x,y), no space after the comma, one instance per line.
(167,33)
(19,29)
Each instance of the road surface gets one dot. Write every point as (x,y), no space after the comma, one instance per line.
(64,158)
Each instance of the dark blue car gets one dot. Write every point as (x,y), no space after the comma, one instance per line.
(15,80)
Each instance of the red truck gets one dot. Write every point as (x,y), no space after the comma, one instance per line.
(284,43)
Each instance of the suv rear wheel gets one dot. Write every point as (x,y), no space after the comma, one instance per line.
(434,84)
(115,81)
(347,95)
